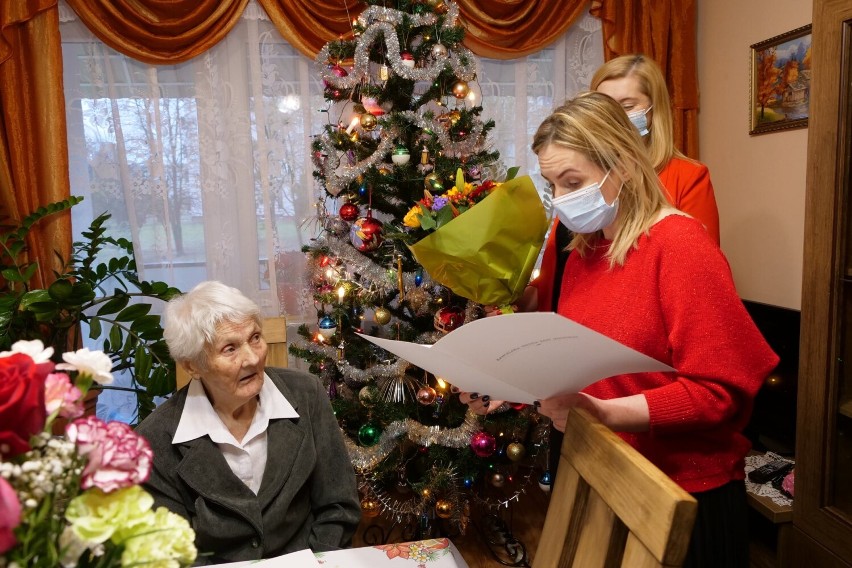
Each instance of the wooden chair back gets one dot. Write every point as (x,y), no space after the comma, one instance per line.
(612,507)
(275,333)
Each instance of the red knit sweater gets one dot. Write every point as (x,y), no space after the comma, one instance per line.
(674,299)
(688,188)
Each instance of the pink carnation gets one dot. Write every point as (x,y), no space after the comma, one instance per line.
(10,515)
(61,395)
(116,456)
(788,482)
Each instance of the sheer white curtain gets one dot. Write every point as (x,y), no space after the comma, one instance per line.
(206,165)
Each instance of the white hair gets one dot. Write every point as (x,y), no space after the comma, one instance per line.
(190,320)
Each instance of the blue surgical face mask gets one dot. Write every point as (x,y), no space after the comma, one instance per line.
(639,118)
(586,210)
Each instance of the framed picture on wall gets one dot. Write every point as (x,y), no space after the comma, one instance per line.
(780,85)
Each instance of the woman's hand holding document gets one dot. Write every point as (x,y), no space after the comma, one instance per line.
(523,357)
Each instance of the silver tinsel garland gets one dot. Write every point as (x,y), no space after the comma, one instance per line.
(378,20)
(365,459)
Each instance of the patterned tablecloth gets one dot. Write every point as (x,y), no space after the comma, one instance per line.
(432,553)
(765,489)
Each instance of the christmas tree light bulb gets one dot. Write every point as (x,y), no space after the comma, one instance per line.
(340,293)
(356,120)
(442,384)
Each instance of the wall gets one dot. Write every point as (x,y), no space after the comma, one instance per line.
(759,180)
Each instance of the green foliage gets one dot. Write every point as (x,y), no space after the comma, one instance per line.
(103,294)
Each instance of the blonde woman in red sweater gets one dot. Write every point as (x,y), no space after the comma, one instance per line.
(643,273)
(637,83)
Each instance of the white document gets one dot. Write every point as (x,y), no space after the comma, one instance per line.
(301,559)
(523,357)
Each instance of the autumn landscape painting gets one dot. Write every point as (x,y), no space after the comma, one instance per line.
(781,81)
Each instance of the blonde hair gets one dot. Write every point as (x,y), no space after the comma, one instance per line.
(660,140)
(596,126)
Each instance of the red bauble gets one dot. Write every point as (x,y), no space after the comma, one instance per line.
(366,234)
(338,72)
(483,444)
(349,211)
(517,405)
(449,318)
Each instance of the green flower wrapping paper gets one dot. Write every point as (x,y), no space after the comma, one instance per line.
(488,253)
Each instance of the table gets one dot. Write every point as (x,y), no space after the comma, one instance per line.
(430,553)
(776,509)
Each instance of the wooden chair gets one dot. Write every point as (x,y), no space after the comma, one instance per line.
(612,507)
(275,333)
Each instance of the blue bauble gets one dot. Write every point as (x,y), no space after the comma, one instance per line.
(327,326)
(418,277)
(545,482)
(468,482)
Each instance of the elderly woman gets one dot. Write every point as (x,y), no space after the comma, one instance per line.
(253,457)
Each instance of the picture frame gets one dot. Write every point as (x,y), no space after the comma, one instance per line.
(779,90)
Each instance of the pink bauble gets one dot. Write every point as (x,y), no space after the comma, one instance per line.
(483,444)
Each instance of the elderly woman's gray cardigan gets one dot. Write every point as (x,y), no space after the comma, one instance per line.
(308,497)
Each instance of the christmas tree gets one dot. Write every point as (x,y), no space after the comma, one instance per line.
(404,152)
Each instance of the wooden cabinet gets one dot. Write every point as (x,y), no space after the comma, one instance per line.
(822,511)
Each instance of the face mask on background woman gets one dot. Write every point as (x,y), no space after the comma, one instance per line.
(639,118)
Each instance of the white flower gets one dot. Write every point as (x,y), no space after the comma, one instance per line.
(35,349)
(95,363)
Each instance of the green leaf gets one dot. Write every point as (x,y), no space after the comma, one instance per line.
(114,305)
(130,313)
(60,290)
(444,216)
(142,364)
(116,337)
(95,328)
(513,171)
(145,323)
(35,297)
(11,274)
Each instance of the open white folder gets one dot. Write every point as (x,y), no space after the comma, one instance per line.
(523,357)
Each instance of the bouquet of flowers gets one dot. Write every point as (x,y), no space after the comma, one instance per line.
(484,253)
(75,500)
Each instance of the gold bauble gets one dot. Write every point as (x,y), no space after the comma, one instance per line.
(460,90)
(515,451)
(444,508)
(498,480)
(432,182)
(455,116)
(370,507)
(382,315)
(369,121)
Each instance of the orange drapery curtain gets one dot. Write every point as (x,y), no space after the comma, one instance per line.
(159,31)
(498,29)
(33,143)
(665,31)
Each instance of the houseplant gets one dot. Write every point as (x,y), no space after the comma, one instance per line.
(104,297)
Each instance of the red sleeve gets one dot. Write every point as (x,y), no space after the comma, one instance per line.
(691,191)
(720,356)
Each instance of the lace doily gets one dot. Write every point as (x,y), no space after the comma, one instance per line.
(765,489)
